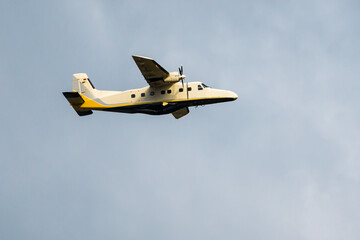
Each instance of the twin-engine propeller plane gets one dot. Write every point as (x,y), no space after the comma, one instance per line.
(165,93)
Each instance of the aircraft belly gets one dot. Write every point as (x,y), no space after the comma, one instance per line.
(206,101)
(152,109)
(159,108)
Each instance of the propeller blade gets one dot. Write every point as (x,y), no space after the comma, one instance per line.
(181,69)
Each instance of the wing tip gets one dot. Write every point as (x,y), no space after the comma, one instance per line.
(138,56)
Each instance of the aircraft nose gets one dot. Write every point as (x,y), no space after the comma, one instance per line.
(233,95)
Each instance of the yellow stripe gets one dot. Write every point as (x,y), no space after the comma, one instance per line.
(91,104)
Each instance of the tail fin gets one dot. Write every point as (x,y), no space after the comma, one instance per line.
(75,101)
(83,85)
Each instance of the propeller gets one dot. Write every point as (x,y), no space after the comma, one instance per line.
(181,71)
(182,76)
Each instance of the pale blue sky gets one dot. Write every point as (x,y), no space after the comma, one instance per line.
(281,162)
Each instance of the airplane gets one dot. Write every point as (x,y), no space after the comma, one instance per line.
(166,93)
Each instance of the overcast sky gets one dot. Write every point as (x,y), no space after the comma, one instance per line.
(281,162)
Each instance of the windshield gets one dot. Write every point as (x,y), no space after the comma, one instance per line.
(205,86)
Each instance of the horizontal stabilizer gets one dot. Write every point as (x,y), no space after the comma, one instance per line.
(75,101)
(74,98)
(83,112)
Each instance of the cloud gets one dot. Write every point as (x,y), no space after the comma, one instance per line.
(280,162)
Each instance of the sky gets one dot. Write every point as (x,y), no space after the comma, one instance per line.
(281,162)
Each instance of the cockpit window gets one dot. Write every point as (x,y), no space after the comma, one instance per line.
(205,86)
(200,87)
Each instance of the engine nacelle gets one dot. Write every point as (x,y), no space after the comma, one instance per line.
(174,77)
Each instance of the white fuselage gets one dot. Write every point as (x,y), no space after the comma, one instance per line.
(160,99)
(191,91)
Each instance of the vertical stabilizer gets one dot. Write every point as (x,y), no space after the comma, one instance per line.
(83,85)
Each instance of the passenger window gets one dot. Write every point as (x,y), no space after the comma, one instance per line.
(169,91)
(199,87)
(143,94)
(162,91)
(189,89)
(181,89)
(152,93)
(132,95)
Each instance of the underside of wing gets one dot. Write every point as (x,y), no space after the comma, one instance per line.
(152,71)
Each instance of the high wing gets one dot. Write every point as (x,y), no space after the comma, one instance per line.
(154,74)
